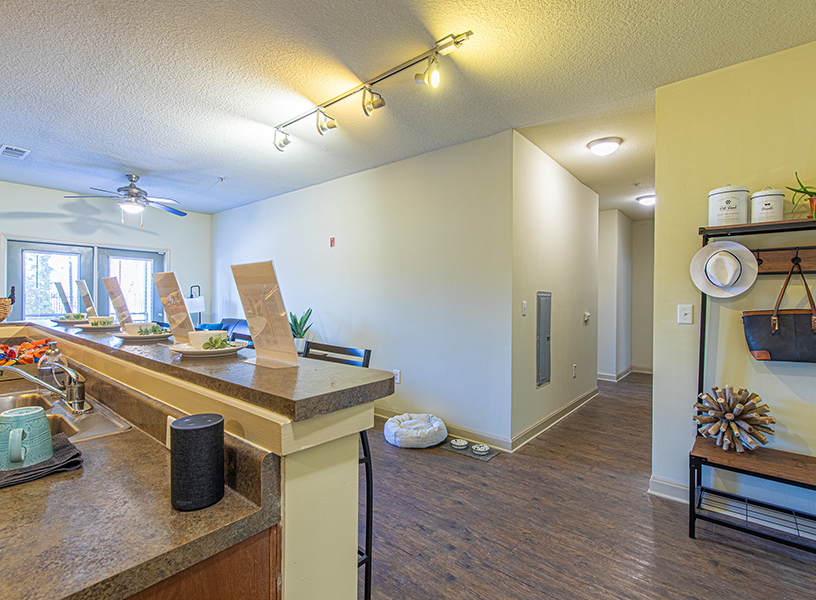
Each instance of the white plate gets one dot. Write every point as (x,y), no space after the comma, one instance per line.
(70,322)
(142,338)
(103,328)
(190,350)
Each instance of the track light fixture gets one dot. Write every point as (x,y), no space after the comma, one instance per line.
(431,76)
(372,100)
(324,122)
(282,141)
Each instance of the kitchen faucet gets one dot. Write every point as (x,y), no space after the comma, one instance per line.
(72,394)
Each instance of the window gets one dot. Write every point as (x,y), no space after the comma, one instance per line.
(34,268)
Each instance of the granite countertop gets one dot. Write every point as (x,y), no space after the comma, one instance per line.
(108,530)
(312,389)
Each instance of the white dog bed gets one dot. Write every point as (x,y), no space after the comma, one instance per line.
(415,431)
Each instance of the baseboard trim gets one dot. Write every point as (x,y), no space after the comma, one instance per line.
(544,424)
(504,444)
(670,490)
(477,437)
(646,370)
(614,378)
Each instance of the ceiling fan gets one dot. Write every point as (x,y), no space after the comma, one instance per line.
(134,199)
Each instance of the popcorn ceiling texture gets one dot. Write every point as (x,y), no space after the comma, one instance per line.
(184,92)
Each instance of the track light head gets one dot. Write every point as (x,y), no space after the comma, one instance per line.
(431,77)
(282,141)
(131,206)
(324,122)
(371,101)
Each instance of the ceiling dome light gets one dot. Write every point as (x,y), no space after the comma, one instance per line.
(371,101)
(604,146)
(431,77)
(648,200)
(131,206)
(324,122)
(284,140)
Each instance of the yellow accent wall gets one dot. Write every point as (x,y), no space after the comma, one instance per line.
(751,124)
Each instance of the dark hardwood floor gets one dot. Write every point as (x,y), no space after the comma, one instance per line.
(566,517)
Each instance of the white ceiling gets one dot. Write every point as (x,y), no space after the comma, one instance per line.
(185,93)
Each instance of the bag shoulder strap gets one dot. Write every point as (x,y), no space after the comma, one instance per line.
(775,317)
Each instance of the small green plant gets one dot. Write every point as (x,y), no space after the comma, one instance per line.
(216,343)
(298,326)
(803,192)
(154,329)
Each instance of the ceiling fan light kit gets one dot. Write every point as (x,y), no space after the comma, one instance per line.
(604,146)
(372,100)
(134,199)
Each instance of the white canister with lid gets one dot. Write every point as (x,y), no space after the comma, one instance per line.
(728,206)
(767,205)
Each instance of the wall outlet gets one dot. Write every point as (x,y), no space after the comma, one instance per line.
(685,314)
(397,375)
(574,371)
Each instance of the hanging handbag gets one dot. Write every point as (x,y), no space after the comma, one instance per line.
(783,335)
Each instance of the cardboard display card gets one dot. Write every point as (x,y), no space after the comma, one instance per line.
(265,314)
(63,298)
(117,299)
(90,308)
(173,301)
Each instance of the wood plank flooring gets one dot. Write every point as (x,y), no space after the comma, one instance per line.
(566,517)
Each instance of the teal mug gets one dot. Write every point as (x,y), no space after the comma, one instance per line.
(25,438)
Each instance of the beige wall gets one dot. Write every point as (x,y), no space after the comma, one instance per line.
(555,249)
(642,295)
(42,214)
(420,274)
(751,124)
(614,295)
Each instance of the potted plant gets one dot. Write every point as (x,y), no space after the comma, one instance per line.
(299,329)
(802,192)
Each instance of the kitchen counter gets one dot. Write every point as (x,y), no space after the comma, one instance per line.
(108,530)
(313,389)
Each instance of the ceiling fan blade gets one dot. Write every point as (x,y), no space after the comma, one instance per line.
(152,199)
(169,209)
(90,196)
(107,191)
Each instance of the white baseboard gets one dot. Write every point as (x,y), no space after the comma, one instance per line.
(670,490)
(547,422)
(614,378)
(504,444)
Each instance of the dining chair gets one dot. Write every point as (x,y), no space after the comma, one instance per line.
(356,357)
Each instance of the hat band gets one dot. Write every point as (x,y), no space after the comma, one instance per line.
(739,273)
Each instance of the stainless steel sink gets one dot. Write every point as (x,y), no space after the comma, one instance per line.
(97,423)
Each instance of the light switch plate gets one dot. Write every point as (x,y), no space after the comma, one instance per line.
(685,314)
(523,308)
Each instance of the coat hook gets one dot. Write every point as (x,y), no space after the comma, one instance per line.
(796,260)
(759,260)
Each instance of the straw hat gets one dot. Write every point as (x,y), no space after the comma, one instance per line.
(724,269)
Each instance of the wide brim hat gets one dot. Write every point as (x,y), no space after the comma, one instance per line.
(724,269)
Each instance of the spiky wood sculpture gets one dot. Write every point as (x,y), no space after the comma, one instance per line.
(737,420)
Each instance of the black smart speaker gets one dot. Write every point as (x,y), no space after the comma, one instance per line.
(196,461)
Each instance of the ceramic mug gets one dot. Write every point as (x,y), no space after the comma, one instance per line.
(25,438)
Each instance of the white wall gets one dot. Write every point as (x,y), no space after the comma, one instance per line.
(421,273)
(642,295)
(554,249)
(614,294)
(32,213)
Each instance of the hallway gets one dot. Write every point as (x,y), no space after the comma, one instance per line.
(567,517)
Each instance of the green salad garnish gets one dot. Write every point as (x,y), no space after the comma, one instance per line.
(73,316)
(154,329)
(216,343)
(105,323)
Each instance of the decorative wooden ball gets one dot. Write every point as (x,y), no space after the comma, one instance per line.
(738,420)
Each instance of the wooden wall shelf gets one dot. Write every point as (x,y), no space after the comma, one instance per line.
(755,228)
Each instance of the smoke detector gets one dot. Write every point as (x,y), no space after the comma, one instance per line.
(12,152)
